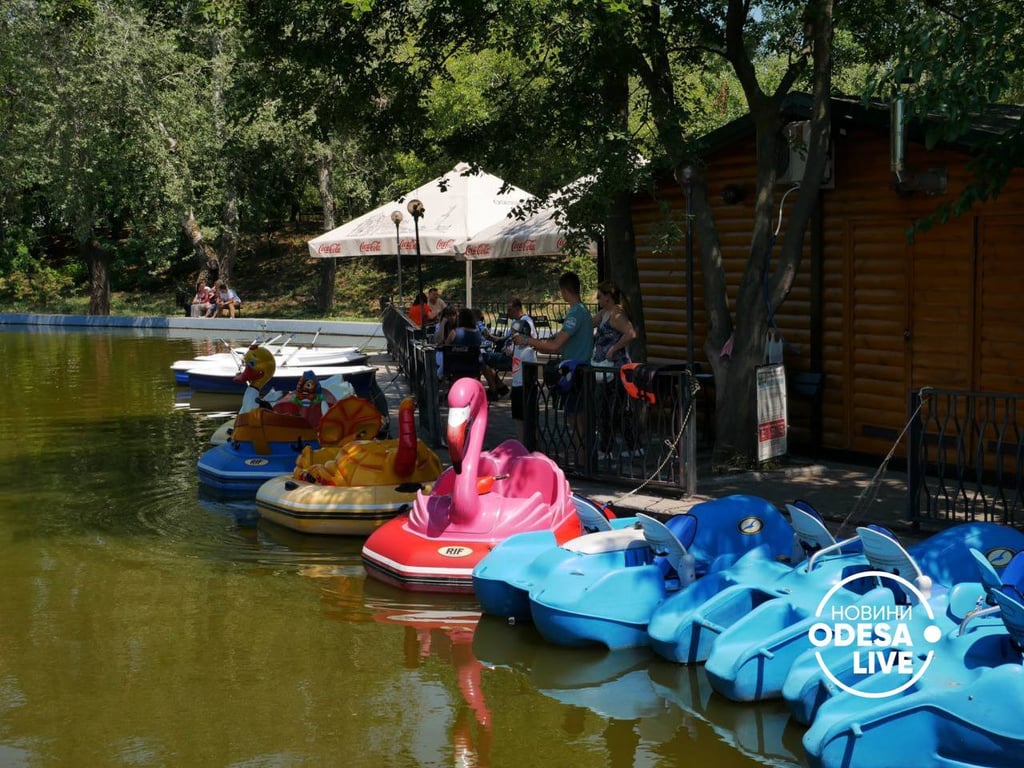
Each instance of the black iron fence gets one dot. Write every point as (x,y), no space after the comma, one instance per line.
(965,458)
(592,429)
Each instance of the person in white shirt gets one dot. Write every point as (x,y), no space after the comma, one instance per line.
(500,357)
(520,354)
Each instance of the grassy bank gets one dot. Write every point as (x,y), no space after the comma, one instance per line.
(276,278)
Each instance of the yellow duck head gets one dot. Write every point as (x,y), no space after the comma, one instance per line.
(258,367)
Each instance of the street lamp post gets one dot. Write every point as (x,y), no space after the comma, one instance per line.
(415,208)
(396,217)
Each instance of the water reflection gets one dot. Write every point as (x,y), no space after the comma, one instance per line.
(142,622)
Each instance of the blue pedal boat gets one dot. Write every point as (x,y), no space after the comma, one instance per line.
(602,588)
(964,710)
(503,579)
(684,627)
(751,659)
(807,685)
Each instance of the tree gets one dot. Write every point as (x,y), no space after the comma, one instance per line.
(953,63)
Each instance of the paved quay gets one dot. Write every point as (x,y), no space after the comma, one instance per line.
(846,495)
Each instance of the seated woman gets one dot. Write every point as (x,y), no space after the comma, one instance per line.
(465,334)
(225,301)
(417,311)
(202,301)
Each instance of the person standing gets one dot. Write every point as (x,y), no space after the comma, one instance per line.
(575,342)
(520,354)
(612,337)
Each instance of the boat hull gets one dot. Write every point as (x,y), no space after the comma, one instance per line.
(413,561)
(604,591)
(324,509)
(503,579)
(356,373)
(228,364)
(234,469)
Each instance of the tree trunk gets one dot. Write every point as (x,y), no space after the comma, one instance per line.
(98,260)
(620,237)
(207,263)
(229,234)
(328,267)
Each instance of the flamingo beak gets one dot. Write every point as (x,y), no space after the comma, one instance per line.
(458,429)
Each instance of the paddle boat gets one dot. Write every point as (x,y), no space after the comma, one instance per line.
(503,578)
(821,672)
(602,588)
(266,441)
(230,362)
(685,626)
(750,659)
(963,710)
(482,499)
(353,489)
(223,380)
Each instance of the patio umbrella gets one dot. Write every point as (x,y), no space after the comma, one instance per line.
(538,235)
(456,206)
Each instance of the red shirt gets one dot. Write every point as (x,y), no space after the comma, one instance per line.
(416,314)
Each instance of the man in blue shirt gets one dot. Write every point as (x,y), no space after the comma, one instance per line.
(575,342)
(575,339)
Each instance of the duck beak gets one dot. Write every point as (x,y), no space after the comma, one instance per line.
(246,375)
(458,429)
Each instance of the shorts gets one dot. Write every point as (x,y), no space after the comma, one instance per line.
(516,399)
(499,361)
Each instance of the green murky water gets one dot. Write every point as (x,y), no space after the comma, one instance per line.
(144,625)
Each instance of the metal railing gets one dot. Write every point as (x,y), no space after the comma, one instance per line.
(598,431)
(965,458)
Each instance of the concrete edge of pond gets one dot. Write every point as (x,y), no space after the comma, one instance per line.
(366,335)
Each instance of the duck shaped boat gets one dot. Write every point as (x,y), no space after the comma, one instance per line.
(265,442)
(482,499)
(602,588)
(352,489)
(963,710)
(751,659)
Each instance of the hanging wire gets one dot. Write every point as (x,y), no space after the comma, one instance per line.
(767,270)
(870,493)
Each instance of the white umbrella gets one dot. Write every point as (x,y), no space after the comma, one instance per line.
(538,235)
(455,207)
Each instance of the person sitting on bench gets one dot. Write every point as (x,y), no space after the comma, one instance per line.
(225,301)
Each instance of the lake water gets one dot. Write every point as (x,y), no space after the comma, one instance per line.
(142,624)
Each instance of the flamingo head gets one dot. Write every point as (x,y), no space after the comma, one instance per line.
(258,367)
(466,398)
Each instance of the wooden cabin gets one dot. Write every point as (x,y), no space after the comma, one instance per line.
(878,315)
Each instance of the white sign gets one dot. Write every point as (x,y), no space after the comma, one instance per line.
(772,421)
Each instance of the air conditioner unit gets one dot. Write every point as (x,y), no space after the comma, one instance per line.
(792,160)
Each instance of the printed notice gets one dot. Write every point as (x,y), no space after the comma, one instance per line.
(771,411)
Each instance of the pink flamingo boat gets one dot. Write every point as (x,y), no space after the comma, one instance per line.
(482,499)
